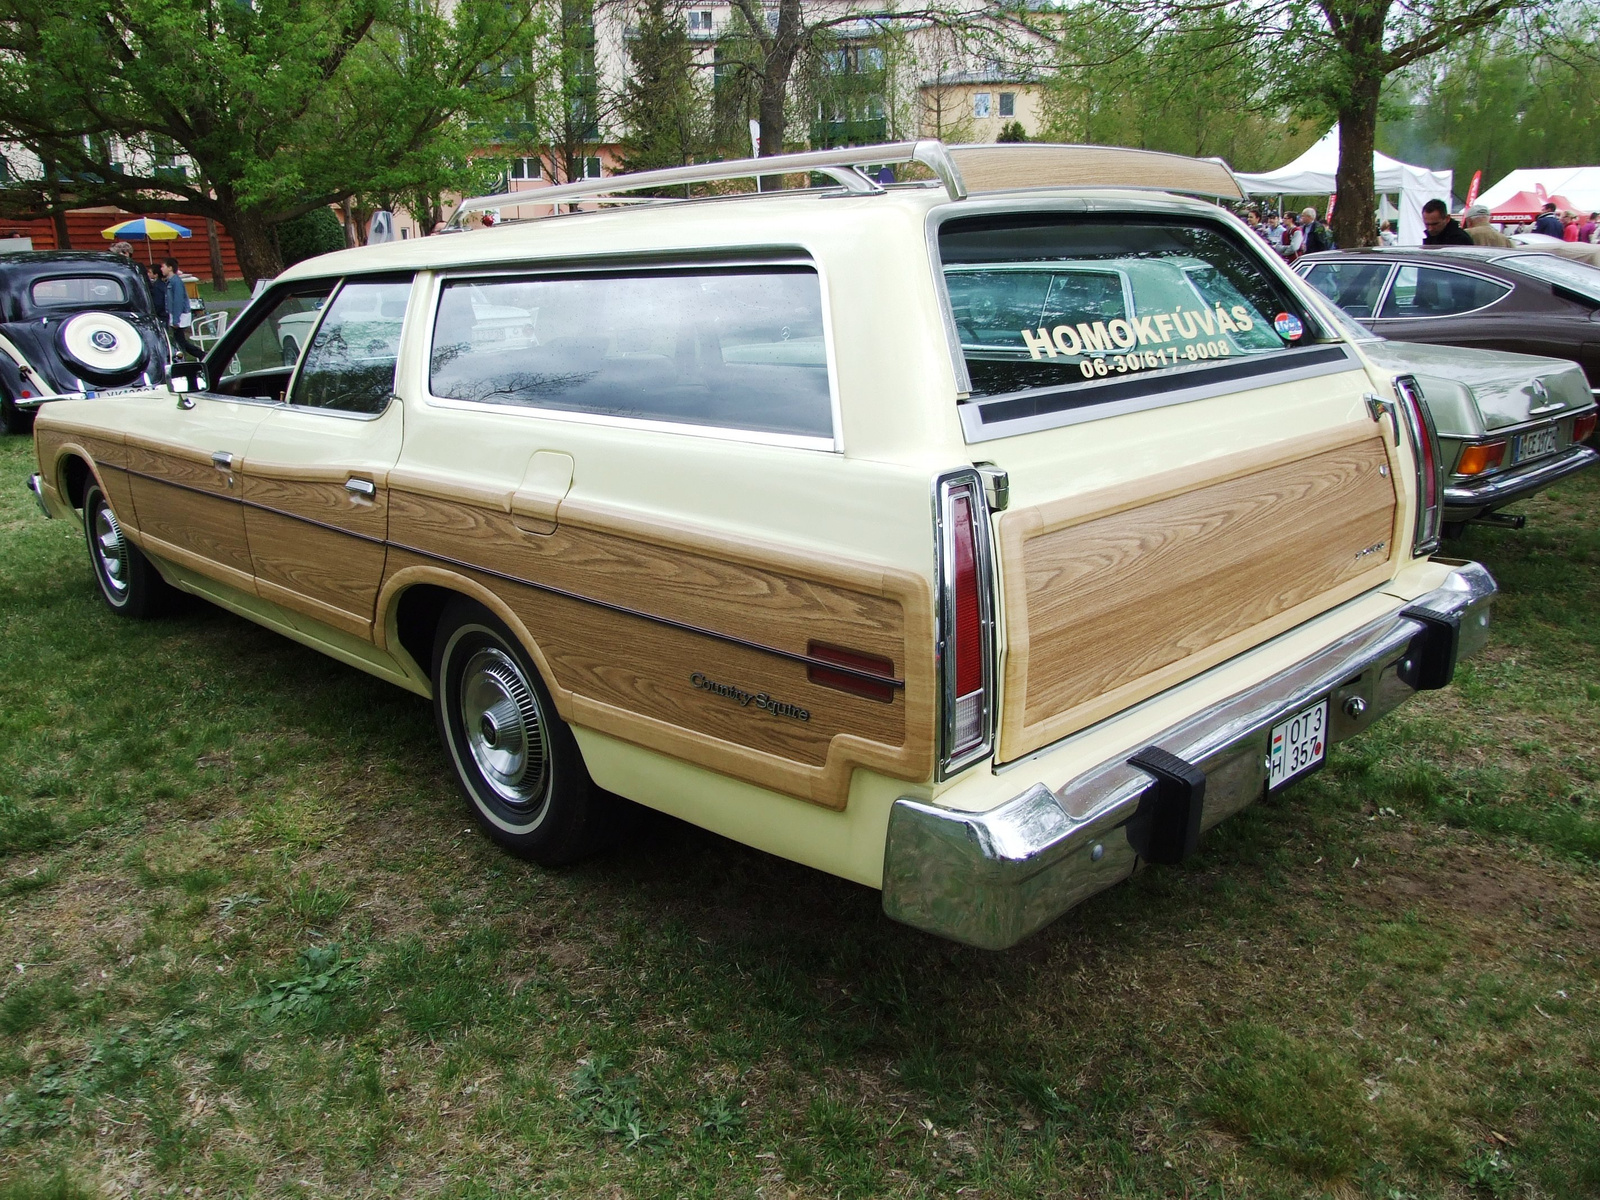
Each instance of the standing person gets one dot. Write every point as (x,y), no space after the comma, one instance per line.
(1275,233)
(1569,227)
(123,250)
(1314,235)
(1442,227)
(1476,222)
(1588,231)
(1549,223)
(158,290)
(179,317)
(1387,236)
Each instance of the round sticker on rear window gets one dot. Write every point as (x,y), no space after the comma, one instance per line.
(1288,327)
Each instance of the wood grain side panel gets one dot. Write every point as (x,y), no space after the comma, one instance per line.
(208,527)
(632,677)
(1124,604)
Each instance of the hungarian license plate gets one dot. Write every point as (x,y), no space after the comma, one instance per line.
(1536,443)
(1298,744)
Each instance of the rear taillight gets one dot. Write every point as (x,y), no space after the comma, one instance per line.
(1430,474)
(966,622)
(1475,460)
(1583,428)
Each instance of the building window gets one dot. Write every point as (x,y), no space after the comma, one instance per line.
(980,104)
(1008,104)
(700,22)
(525,168)
(591,167)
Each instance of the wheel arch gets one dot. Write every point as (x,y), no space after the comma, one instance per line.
(411,604)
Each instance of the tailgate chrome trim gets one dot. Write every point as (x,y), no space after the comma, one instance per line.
(992,878)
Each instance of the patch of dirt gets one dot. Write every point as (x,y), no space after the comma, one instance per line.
(1488,886)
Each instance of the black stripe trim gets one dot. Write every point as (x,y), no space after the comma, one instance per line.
(549,589)
(1086,395)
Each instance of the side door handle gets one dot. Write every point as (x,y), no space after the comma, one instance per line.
(364,488)
(222,460)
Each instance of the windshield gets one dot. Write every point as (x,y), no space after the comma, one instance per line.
(1046,302)
(1574,276)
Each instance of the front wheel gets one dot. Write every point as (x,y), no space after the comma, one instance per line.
(514,757)
(129,585)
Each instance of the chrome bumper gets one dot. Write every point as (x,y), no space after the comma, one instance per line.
(990,879)
(35,486)
(1466,500)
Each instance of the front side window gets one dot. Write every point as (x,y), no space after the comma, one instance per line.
(1436,292)
(78,291)
(735,348)
(350,363)
(275,339)
(1068,303)
(1354,287)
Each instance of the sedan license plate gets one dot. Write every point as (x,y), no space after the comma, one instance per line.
(1536,443)
(1298,744)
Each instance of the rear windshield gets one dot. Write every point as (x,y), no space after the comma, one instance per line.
(1073,303)
(1574,276)
(78,291)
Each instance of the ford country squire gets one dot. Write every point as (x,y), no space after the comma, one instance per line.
(978,537)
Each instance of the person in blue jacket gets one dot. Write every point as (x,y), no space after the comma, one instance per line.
(179,317)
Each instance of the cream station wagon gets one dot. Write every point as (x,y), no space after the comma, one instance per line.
(978,538)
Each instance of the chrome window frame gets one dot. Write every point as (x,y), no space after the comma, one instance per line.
(676,264)
(1109,208)
(1394,276)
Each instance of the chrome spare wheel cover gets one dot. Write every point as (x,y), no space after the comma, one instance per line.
(110,553)
(501,722)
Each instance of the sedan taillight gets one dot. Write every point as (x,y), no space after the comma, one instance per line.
(1583,427)
(1430,472)
(966,622)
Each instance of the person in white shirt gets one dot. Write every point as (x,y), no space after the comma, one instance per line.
(1387,236)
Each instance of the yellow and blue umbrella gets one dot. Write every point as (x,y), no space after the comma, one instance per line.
(151,229)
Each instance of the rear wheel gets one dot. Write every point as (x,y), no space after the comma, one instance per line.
(514,757)
(129,585)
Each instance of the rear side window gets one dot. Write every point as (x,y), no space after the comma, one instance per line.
(1071,305)
(1434,292)
(1354,286)
(737,348)
(78,291)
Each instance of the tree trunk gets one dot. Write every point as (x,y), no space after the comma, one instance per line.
(219,274)
(1354,218)
(770,107)
(257,248)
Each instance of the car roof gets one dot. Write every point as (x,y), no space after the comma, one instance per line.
(817,222)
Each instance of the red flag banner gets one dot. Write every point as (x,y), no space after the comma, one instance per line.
(1332,200)
(1472,188)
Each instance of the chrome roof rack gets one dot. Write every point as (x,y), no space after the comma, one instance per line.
(997,167)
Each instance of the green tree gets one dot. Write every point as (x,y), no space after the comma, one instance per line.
(661,107)
(1325,60)
(1497,103)
(281,106)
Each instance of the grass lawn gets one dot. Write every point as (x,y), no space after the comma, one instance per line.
(252,947)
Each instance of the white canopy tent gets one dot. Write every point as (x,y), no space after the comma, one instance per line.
(1580,185)
(1315,171)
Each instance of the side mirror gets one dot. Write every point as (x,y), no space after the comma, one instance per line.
(188,376)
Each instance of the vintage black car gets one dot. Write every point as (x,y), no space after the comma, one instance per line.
(73,324)
(1522,299)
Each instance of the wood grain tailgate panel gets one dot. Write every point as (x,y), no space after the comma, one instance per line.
(1110,601)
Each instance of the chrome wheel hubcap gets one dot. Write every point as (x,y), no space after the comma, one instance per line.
(503,729)
(111,553)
